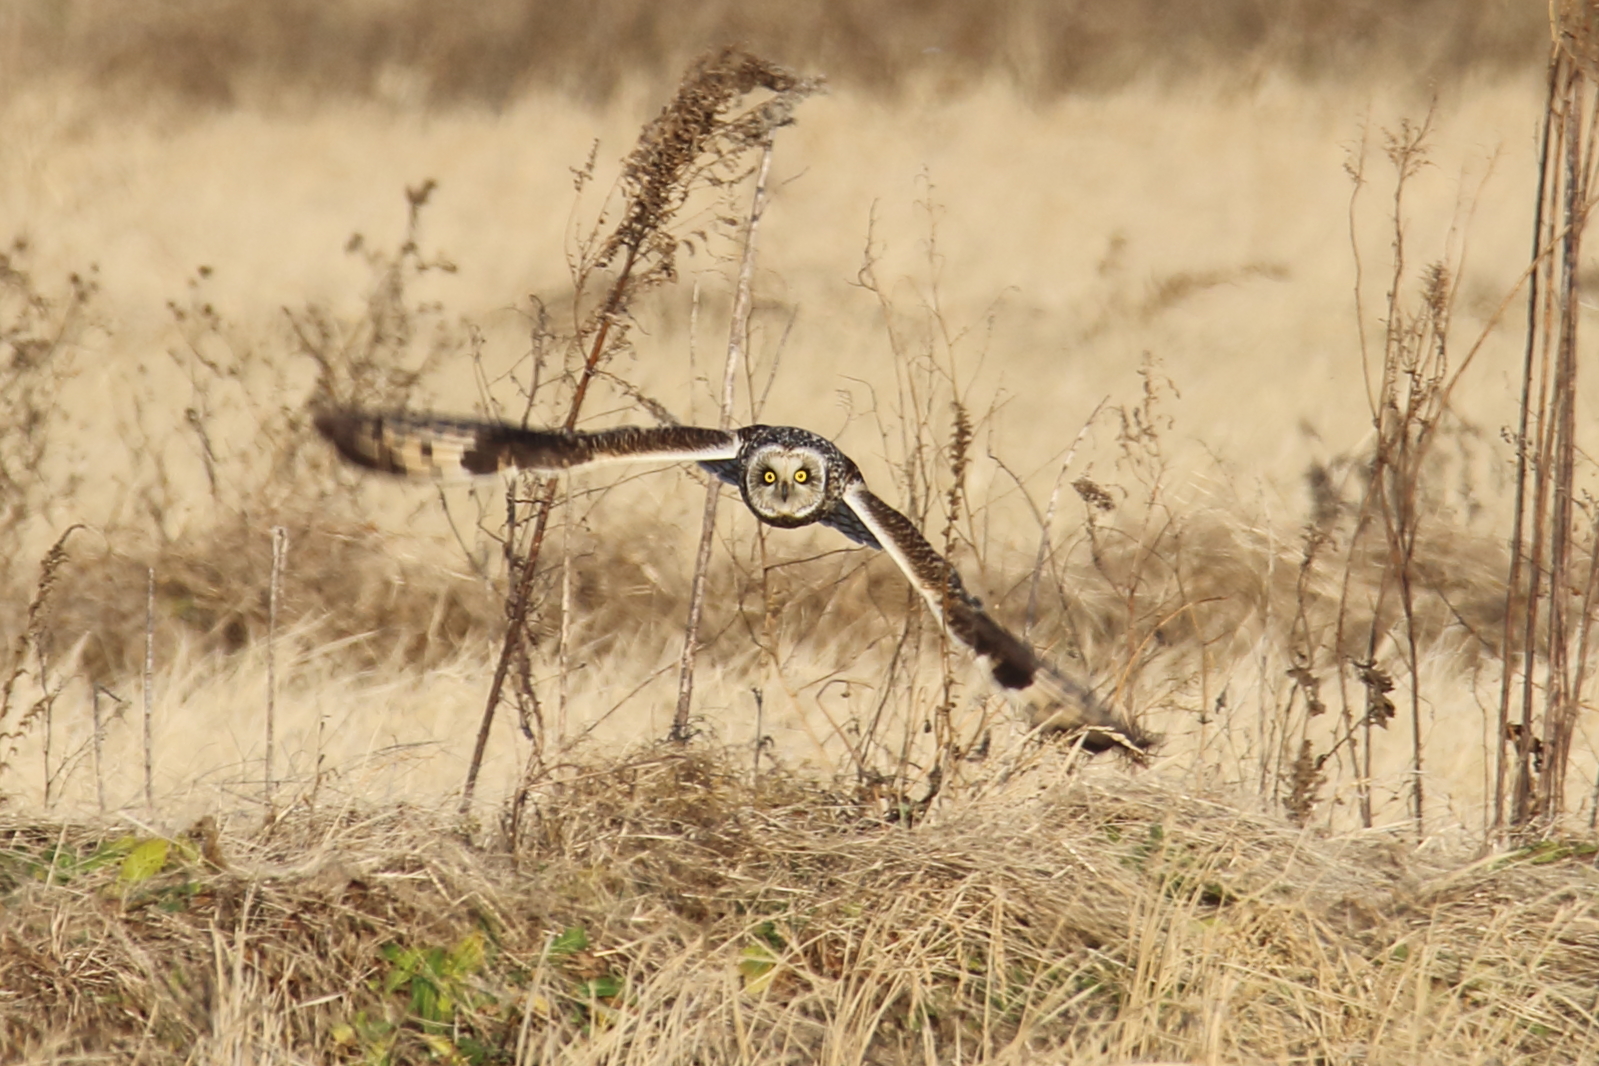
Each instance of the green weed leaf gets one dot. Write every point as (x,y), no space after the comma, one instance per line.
(573,939)
(145,861)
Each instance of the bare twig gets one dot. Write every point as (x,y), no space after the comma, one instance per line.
(149,683)
(99,741)
(280,549)
(691,134)
(760,725)
(1047,522)
(1545,603)
(1519,511)
(738,331)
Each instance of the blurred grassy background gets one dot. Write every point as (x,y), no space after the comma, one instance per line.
(225,52)
(1139,210)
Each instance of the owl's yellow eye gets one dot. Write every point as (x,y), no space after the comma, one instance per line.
(770,477)
(801,476)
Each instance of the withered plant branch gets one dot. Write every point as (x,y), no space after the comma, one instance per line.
(1414,365)
(1519,508)
(29,641)
(149,685)
(521,595)
(738,331)
(280,550)
(1562,694)
(954,503)
(1046,521)
(1407,407)
(1546,450)
(688,140)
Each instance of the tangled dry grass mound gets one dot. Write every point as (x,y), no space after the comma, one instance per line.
(661,907)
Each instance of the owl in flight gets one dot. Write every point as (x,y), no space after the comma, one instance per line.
(788,477)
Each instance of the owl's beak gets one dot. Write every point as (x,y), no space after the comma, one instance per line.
(783,491)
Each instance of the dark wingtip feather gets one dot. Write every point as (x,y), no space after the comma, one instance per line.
(1129,741)
(357,437)
(340,429)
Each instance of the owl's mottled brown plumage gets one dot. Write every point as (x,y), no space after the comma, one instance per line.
(788,477)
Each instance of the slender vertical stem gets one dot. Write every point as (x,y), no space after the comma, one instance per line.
(1564,694)
(738,330)
(280,548)
(1519,509)
(99,740)
(760,725)
(563,647)
(149,684)
(521,596)
(49,719)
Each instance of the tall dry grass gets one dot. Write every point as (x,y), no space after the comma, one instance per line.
(659,907)
(1124,391)
(412,52)
(1192,597)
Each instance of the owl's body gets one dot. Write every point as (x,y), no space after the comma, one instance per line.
(788,477)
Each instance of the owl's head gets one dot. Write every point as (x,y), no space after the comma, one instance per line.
(786,485)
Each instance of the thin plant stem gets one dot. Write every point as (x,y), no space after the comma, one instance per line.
(564,640)
(521,596)
(49,719)
(149,685)
(280,549)
(99,742)
(1519,509)
(1047,523)
(760,715)
(738,330)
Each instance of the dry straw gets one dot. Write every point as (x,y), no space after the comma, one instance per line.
(657,907)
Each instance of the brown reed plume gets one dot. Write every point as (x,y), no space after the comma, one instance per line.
(29,655)
(697,139)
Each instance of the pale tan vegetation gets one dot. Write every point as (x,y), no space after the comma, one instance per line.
(1213,455)
(660,908)
(411,52)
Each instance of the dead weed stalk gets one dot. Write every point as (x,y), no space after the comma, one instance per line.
(30,657)
(696,141)
(39,331)
(737,340)
(1548,599)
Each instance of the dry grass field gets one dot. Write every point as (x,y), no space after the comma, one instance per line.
(245,681)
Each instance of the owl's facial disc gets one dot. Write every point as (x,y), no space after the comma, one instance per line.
(786,486)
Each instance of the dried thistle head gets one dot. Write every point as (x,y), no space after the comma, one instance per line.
(691,136)
(960,447)
(1305,778)
(1095,495)
(1310,687)
(29,639)
(1377,683)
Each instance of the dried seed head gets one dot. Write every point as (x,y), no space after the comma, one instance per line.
(1097,497)
(692,134)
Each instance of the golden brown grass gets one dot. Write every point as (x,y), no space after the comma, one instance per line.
(1141,301)
(410,52)
(657,907)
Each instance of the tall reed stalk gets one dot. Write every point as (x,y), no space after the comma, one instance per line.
(1550,600)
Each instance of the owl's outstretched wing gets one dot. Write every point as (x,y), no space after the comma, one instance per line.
(421,445)
(1051,701)
(844,519)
